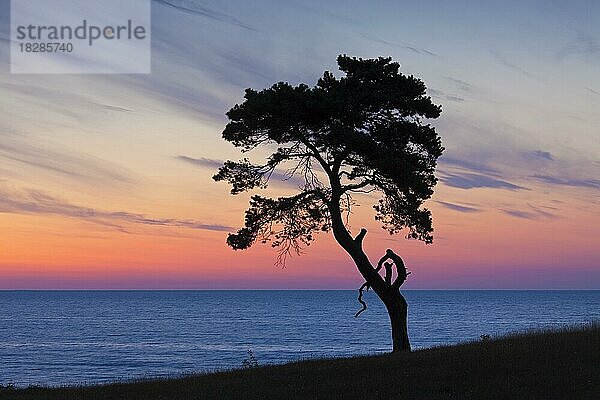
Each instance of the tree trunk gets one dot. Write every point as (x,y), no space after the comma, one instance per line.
(397,309)
(389,294)
(395,303)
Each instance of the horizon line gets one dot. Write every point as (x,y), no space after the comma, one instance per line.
(288,289)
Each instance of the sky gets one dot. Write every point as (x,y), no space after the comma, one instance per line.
(105,180)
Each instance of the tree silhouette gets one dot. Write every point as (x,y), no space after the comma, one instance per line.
(361,133)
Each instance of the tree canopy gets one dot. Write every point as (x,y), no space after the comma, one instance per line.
(362,132)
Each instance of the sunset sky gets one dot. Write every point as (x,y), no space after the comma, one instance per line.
(105,180)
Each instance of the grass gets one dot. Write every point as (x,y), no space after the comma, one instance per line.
(561,364)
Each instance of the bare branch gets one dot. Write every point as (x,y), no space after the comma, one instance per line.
(288,223)
(388,272)
(315,153)
(360,299)
(364,191)
(357,186)
(359,238)
(400,279)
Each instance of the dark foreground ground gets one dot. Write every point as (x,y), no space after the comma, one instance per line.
(542,365)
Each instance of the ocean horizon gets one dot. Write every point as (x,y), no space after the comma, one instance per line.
(66,337)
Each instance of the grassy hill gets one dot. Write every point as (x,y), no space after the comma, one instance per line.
(562,364)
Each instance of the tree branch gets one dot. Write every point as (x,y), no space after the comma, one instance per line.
(359,238)
(316,154)
(401,273)
(400,279)
(356,186)
(337,162)
(388,273)
(360,299)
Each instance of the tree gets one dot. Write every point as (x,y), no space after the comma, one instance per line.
(363,132)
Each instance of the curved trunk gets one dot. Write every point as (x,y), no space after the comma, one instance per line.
(398,311)
(389,294)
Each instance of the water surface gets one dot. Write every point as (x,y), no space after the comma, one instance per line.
(67,337)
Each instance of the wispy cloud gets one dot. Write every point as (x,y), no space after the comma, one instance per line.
(532,213)
(521,214)
(514,67)
(67,103)
(475,181)
(593,91)
(414,49)
(554,180)
(544,213)
(456,99)
(85,168)
(196,8)
(439,94)
(468,165)
(583,45)
(462,85)
(543,154)
(277,177)
(115,108)
(459,208)
(37,202)
(202,162)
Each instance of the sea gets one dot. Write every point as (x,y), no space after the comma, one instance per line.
(57,338)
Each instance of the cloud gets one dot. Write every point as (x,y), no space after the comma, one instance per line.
(474,181)
(191,7)
(439,94)
(554,180)
(495,154)
(514,67)
(414,49)
(534,213)
(582,45)
(520,214)
(456,99)
(593,91)
(463,85)
(469,165)
(85,168)
(459,208)
(67,103)
(116,108)
(203,78)
(543,213)
(37,202)
(543,154)
(202,162)
(277,177)
(517,68)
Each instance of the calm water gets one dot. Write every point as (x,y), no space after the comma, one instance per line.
(71,337)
